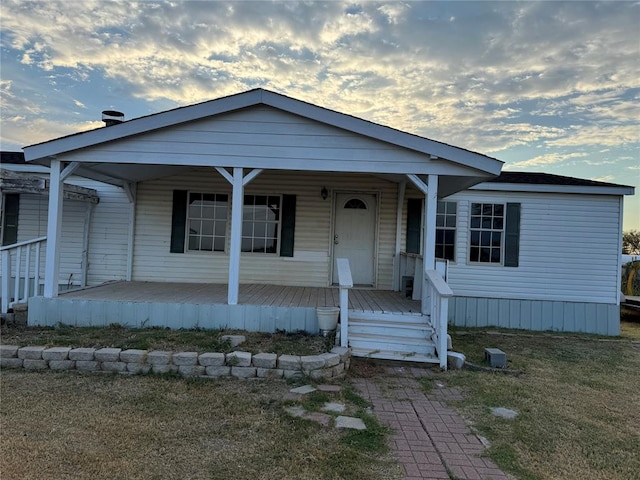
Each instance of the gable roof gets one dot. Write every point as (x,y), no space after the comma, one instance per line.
(547,182)
(251,98)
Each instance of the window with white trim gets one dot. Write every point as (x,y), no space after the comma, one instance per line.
(446,230)
(207,215)
(486,232)
(260,223)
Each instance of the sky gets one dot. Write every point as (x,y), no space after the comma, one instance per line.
(544,86)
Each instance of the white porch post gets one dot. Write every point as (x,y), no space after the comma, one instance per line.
(397,264)
(236,236)
(430,211)
(54,230)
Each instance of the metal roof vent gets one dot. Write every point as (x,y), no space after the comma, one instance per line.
(112,117)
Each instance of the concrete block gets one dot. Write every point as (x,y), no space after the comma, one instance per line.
(265,360)
(292,374)
(133,355)
(62,364)
(496,357)
(312,362)
(164,368)
(338,370)
(211,359)
(185,358)
(87,365)
(334,407)
(136,367)
(243,372)
(350,422)
(83,354)
(107,354)
(322,374)
(303,390)
(9,351)
(455,360)
(191,370)
(269,372)
(234,340)
(158,357)
(10,362)
(31,353)
(56,353)
(218,371)
(32,364)
(114,366)
(239,359)
(289,362)
(331,359)
(344,353)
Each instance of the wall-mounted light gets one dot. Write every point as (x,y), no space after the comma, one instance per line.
(324,193)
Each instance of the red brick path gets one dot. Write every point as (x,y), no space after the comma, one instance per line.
(430,439)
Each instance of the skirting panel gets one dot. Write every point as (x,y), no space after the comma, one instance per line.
(101,313)
(600,318)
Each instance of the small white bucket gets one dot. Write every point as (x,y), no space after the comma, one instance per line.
(327,319)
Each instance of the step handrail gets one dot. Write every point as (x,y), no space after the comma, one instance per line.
(436,300)
(8,300)
(345,281)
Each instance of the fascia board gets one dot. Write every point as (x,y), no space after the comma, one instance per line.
(538,188)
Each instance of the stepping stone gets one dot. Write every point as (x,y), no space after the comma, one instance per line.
(504,413)
(333,407)
(329,388)
(295,411)
(350,422)
(303,390)
(321,418)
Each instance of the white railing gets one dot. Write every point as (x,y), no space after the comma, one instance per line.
(25,272)
(345,282)
(435,302)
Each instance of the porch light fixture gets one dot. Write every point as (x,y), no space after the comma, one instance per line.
(324,193)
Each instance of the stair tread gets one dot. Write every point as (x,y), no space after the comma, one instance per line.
(390,338)
(387,323)
(393,355)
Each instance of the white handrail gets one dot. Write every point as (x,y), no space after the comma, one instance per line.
(435,300)
(345,282)
(21,264)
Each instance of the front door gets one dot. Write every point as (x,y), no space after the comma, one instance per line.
(354,235)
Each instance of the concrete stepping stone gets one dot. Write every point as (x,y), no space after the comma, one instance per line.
(329,388)
(303,390)
(295,411)
(321,418)
(350,422)
(334,407)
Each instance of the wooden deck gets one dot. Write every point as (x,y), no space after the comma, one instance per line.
(367,300)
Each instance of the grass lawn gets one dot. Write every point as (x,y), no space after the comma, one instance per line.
(66,425)
(578,400)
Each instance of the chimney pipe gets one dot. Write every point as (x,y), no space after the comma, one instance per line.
(112,117)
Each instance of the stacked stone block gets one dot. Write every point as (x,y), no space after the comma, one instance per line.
(190,364)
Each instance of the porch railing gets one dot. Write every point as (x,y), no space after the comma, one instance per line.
(20,274)
(435,302)
(345,282)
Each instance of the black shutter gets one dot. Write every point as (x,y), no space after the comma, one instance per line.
(10,218)
(288,225)
(512,235)
(414,221)
(178,221)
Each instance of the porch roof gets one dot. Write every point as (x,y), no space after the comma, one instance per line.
(409,154)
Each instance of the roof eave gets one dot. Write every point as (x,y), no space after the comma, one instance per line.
(542,188)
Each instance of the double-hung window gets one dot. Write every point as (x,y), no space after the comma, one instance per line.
(207,215)
(261,223)
(446,230)
(486,238)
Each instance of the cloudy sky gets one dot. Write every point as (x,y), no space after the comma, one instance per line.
(543,86)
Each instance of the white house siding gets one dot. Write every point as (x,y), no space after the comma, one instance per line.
(310,265)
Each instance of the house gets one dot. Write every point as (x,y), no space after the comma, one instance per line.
(89,205)
(253,209)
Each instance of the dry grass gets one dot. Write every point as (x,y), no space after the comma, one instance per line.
(63,425)
(298,343)
(578,402)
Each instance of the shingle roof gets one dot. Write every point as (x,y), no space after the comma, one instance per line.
(11,157)
(536,178)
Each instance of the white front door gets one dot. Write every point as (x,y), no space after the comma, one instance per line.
(354,235)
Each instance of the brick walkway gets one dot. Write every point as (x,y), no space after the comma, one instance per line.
(430,440)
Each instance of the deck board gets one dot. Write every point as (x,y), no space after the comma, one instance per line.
(250,294)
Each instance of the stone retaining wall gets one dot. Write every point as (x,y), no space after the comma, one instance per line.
(235,364)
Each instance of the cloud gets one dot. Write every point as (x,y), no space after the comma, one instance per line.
(547,159)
